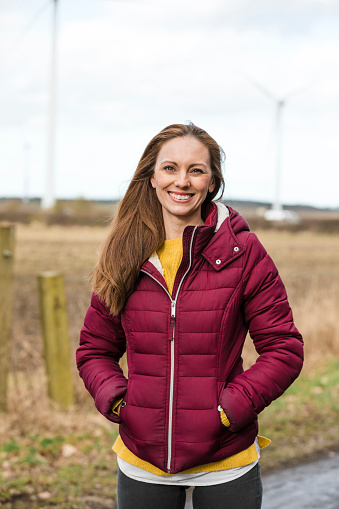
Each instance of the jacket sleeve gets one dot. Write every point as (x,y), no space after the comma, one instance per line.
(277,341)
(102,344)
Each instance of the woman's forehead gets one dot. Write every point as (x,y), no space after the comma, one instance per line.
(184,149)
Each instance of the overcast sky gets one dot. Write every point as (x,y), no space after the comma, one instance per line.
(126,69)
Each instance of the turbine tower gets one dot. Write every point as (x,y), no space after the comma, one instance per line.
(277,213)
(48,199)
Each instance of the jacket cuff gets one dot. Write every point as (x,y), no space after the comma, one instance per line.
(237,407)
(106,398)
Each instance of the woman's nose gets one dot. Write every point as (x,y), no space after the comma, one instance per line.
(182,179)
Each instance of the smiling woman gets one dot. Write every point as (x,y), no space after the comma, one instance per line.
(179,283)
(182,178)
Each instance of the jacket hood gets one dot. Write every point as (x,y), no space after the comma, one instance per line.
(238,223)
(217,213)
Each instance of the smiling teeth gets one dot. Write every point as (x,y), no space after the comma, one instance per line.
(180,196)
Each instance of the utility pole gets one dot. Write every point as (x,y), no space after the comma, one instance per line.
(48,200)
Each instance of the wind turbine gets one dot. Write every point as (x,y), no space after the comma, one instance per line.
(276,212)
(48,200)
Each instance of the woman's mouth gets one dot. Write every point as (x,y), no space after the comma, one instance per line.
(180,197)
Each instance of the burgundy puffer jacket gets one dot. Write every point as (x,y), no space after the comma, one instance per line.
(184,350)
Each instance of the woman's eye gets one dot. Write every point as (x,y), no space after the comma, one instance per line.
(169,168)
(197,170)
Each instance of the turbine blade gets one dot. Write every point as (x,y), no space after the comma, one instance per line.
(299,90)
(261,88)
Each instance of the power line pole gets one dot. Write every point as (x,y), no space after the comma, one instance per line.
(48,200)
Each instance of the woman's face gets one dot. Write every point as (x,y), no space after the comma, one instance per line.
(182,178)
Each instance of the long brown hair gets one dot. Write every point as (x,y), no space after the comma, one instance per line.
(138,228)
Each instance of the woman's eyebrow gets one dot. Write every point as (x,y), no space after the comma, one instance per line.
(176,164)
(168,162)
(198,164)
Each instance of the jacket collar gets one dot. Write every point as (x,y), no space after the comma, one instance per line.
(225,246)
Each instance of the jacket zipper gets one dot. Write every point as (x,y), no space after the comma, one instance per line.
(173,319)
(170,414)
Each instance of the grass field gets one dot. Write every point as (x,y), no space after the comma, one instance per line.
(52,458)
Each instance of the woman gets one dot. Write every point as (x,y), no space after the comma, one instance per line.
(179,282)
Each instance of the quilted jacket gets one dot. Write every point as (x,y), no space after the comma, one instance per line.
(184,350)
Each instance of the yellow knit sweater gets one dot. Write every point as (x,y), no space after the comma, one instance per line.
(170,255)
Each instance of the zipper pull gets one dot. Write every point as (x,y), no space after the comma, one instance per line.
(172,319)
(172,309)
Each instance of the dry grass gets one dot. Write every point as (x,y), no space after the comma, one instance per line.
(73,252)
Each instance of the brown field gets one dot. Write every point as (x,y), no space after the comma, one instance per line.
(33,452)
(308,263)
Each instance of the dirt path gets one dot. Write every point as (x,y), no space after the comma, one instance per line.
(311,485)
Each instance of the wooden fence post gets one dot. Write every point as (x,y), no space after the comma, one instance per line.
(7,232)
(56,338)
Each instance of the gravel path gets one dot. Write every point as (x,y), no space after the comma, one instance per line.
(312,485)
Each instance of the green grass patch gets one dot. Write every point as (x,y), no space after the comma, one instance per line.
(63,471)
(11,447)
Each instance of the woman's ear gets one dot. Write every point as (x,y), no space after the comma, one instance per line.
(152,181)
(211,186)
